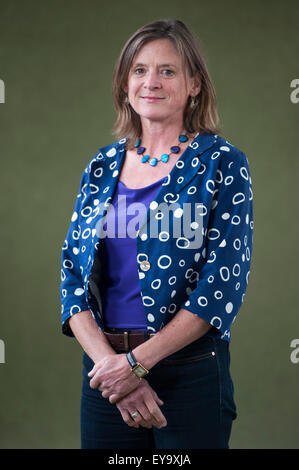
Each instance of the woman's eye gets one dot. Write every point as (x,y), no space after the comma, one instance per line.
(168,72)
(139,71)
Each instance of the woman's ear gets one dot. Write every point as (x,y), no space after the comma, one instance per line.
(196,84)
(125,89)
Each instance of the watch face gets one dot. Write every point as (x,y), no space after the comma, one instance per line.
(139,371)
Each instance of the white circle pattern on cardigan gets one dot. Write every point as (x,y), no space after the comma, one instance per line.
(209,281)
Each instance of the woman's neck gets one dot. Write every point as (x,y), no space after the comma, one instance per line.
(157,138)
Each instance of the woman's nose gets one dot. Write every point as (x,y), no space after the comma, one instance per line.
(152,80)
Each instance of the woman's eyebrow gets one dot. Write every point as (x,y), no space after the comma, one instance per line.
(167,65)
(139,64)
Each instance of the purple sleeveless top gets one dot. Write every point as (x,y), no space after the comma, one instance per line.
(120,292)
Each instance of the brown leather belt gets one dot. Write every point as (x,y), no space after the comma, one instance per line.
(124,341)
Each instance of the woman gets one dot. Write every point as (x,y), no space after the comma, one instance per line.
(151,299)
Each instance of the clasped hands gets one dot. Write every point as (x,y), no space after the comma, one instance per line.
(112,375)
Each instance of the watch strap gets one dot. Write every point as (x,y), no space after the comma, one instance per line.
(131,359)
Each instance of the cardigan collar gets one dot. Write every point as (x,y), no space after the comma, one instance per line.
(180,175)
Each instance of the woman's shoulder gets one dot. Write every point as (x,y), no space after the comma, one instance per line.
(221,150)
(226,147)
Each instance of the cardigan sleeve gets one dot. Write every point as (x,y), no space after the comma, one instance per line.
(72,293)
(223,278)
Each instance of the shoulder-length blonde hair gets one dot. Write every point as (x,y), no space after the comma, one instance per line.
(201,117)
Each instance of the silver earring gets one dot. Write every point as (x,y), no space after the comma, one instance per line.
(126,100)
(192,104)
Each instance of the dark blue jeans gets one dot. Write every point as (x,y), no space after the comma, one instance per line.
(197,390)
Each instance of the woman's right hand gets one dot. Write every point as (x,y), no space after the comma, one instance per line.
(146,402)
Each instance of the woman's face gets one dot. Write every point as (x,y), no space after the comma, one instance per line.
(157,88)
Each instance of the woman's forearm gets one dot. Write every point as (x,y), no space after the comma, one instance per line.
(96,345)
(88,334)
(182,330)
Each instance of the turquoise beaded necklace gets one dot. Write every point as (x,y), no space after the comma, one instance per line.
(165,157)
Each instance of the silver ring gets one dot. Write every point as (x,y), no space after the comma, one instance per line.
(135,414)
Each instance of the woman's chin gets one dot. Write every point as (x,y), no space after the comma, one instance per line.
(155,117)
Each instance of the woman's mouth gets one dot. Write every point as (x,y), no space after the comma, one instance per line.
(152,99)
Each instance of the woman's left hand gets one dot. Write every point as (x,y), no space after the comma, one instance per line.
(112,375)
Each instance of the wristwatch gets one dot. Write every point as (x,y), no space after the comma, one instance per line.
(136,367)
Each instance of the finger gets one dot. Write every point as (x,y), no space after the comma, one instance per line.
(115,397)
(145,424)
(92,371)
(158,400)
(145,414)
(159,419)
(128,419)
(95,382)
(95,368)
(135,415)
(139,419)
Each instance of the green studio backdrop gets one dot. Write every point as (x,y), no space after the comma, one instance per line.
(56,64)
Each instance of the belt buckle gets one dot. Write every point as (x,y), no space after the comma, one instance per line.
(126,341)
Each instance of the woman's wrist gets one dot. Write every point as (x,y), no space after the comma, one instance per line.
(182,330)
(90,337)
(147,354)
